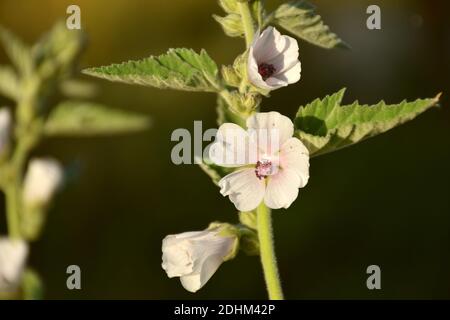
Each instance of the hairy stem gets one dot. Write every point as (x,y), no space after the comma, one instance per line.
(247,21)
(267,252)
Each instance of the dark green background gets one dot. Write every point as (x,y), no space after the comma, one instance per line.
(385,201)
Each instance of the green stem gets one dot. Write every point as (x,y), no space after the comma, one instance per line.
(267,252)
(247,21)
(12,211)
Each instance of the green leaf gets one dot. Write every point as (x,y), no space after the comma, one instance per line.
(9,84)
(32,286)
(325,126)
(181,69)
(18,52)
(73,88)
(72,118)
(299,18)
(232,22)
(213,171)
(57,51)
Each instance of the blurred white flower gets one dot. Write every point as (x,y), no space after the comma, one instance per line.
(5,128)
(195,256)
(273,60)
(43,178)
(274,164)
(13,255)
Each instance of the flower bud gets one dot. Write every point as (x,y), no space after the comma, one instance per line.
(196,256)
(43,178)
(13,255)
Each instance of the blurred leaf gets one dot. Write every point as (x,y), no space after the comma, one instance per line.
(57,50)
(18,52)
(9,84)
(181,69)
(299,18)
(78,89)
(72,118)
(325,126)
(32,286)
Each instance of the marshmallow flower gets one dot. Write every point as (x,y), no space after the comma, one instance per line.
(43,178)
(274,165)
(5,128)
(13,255)
(195,256)
(273,60)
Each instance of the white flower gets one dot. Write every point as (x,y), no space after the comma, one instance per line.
(274,164)
(5,128)
(273,60)
(195,256)
(43,178)
(13,255)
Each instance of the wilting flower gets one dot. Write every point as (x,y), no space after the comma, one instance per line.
(195,256)
(274,164)
(43,178)
(273,60)
(13,255)
(5,128)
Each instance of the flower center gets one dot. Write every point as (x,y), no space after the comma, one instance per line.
(263,168)
(266,70)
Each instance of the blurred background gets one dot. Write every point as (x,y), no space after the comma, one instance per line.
(385,201)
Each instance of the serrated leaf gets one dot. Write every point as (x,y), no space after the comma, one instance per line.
(73,118)
(9,83)
(299,18)
(18,52)
(325,125)
(181,69)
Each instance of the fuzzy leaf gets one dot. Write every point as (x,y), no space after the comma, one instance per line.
(325,126)
(72,118)
(18,52)
(232,22)
(299,18)
(181,69)
(9,84)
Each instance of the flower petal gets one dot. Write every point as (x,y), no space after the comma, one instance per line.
(282,189)
(273,123)
(295,156)
(291,75)
(232,148)
(13,255)
(288,57)
(196,281)
(253,74)
(245,190)
(269,45)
